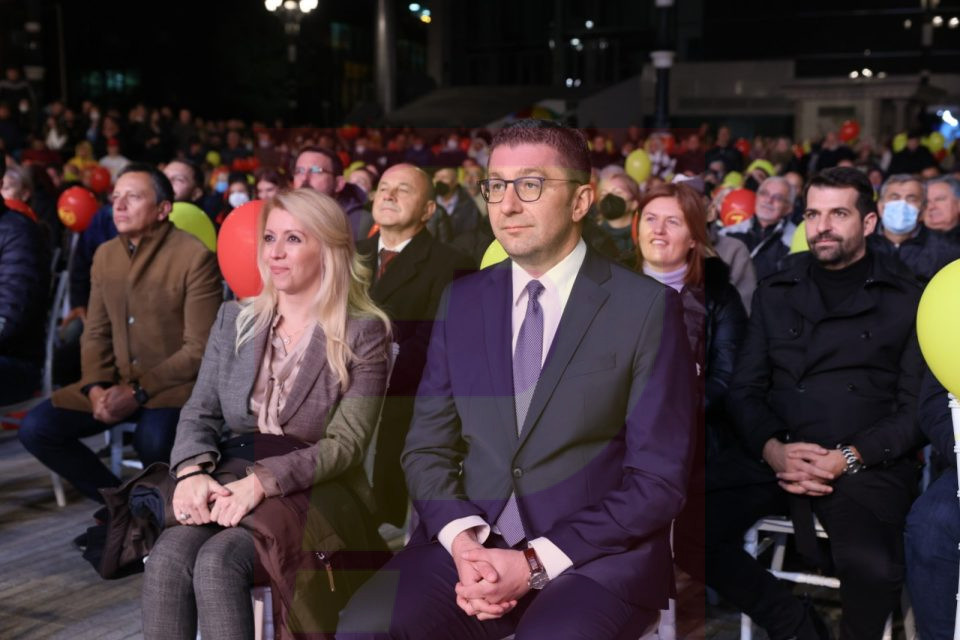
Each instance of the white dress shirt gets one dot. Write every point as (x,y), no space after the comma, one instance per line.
(381,246)
(557,285)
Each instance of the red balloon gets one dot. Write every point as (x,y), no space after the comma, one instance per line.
(99,179)
(743,146)
(849,130)
(76,207)
(739,205)
(669,143)
(237,250)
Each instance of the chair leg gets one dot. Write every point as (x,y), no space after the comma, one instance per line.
(909,621)
(116,451)
(750,541)
(667,629)
(58,490)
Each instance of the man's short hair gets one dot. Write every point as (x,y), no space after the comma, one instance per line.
(569,143)
(791,190)
(846,178)
(161,183)
(902,178)
(947,180)
(198,177)
(336,163)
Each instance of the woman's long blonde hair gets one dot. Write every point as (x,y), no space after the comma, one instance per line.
(343,278)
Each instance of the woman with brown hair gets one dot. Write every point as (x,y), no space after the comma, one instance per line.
(674,248)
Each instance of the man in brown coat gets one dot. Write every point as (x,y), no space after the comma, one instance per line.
(154,294)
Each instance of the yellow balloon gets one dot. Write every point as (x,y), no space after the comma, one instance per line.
(899,142)
(764,165)
(356,164)
(190,218)
(638,165)
(799,242)
(733,179)
(495,253)
(935,141)
(936,326)
(213,158)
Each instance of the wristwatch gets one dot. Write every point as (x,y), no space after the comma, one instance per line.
(139,394)
(853,464)
(538,574)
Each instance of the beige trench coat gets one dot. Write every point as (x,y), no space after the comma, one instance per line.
(148,317)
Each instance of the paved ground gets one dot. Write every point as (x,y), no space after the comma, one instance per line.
(47,590)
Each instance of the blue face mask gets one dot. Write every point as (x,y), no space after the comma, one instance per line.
(899,216)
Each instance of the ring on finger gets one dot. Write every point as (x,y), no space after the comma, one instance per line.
(183,516)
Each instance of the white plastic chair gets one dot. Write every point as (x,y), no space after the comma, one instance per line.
(955,415)
(115,440)
(779,528)
(10,413)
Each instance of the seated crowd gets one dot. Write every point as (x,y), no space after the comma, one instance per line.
(761,367)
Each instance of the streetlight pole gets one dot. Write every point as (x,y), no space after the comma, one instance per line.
(385,65)
(291,12)
(662,59)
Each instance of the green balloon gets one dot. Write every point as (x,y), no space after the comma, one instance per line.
(190,218)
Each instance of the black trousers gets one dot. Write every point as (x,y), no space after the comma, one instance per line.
(867,555)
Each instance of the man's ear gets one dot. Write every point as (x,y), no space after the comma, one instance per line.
(428,210)
(165,208)
(583,198)
(339,184)
(196,194)
(869,223)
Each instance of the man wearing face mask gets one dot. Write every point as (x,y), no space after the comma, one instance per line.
(902,198)
(769,232)
(456,210)
(619,196)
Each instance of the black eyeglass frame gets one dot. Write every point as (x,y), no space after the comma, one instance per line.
(485,187)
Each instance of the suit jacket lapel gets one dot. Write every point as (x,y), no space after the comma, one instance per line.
(497,298)
(316,355)
(243,376)
(585,301)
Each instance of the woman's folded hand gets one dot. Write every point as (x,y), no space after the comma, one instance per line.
(242,497)
(193,495)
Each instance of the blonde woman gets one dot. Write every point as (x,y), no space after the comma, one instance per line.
(300,368)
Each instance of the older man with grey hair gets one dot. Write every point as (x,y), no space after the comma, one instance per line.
(902,207)
(942,213)
(769,232)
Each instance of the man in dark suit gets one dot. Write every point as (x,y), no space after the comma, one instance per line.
(551,438)
(411,269)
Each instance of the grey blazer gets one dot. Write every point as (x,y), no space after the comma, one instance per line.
(338,425)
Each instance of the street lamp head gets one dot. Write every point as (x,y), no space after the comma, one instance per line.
(272,5)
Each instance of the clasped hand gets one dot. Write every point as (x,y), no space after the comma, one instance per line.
(203,500)
(804,468)
(112,405)
(491,580)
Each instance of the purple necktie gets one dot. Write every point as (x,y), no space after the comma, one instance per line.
(527,360)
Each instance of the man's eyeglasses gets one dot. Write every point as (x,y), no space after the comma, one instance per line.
(314,171)
(528,189)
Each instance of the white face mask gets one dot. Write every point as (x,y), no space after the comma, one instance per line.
(238,198)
